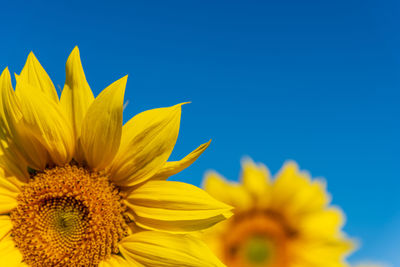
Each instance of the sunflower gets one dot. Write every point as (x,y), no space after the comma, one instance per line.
(79,188)
(285,222)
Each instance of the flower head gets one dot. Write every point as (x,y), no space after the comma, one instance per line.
(79,188)
(284,222)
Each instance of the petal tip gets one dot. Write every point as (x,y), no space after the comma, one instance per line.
(31,57)
(184,103)
(229,213)
(291,163)
(74,53)
(5,72)
(122,80)
(247,160)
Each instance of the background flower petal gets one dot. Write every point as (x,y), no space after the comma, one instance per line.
(255,178)
(232,194)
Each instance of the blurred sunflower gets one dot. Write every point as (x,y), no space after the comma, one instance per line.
(285,222)
(77,188)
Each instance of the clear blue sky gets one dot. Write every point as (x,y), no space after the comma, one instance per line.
(313,81)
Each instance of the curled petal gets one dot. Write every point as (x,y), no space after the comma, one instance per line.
(173,167)
(175,207)
(152,248)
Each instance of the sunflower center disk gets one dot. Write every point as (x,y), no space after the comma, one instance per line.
(258,250)
(68,215)
(257,240)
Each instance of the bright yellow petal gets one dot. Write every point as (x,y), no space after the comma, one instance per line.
(256,180)
(5,226)
(12,166)
(19,148)
(9,191)
(173,167)
(45,120)
(175,207)
(324,224)
(162,249)
(9,254)
(147,141)
(102,126)
(10,159)
(76,96)
(311,198)
(118,261)
(297,193)
(286,184)
(34,74)
(229,193)
(316,253)
(5,87)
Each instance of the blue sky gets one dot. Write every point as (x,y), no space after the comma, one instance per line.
(313,81)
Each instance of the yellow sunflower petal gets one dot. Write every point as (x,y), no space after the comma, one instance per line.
(11,161)
(9,254)
(175,207)
(102,126)
(312,197)
(45,120)
(5,226)
(5,87)
(295,191)
(286,184)
(9,190)
(25,150)
(76,96)
(323,224)
(34,74)
(173,167)
(147,141)
(232,194)
(162,249)
(328,252)
(118,261)
(256,179)
(12,166)
(17,151)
